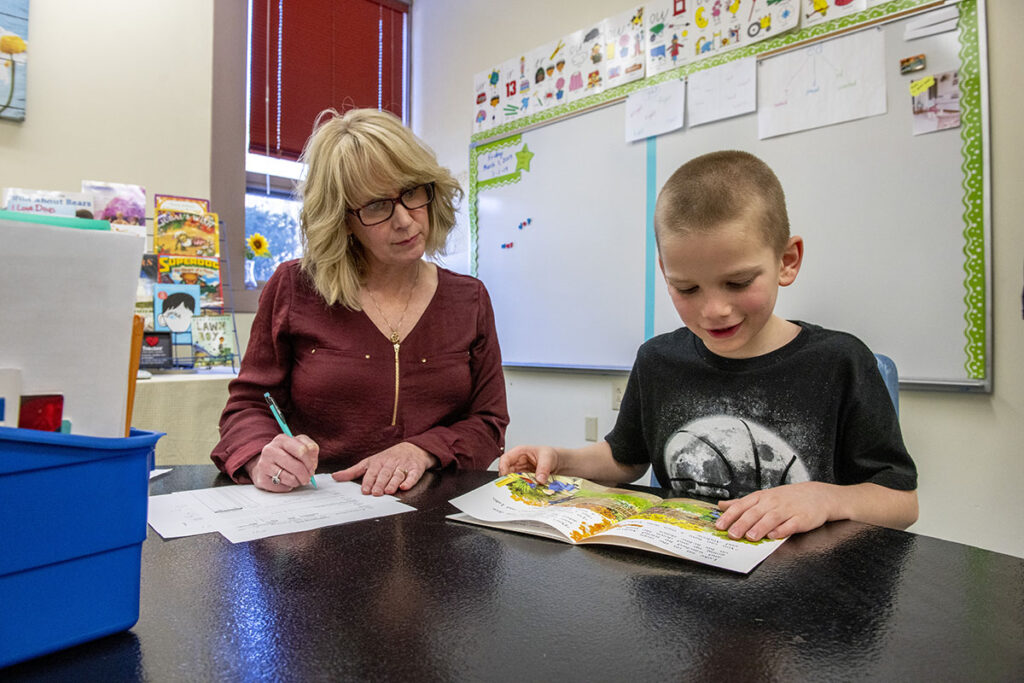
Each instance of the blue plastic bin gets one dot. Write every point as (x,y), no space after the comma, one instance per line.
(72,523)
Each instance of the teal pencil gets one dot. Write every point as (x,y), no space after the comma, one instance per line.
(276,412)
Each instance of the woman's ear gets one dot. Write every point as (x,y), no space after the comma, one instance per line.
(792,257)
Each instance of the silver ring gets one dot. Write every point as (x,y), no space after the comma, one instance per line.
(277,477)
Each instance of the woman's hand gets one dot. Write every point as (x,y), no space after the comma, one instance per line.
(398,467)
(291,460)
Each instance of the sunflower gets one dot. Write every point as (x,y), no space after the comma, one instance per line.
(258,245)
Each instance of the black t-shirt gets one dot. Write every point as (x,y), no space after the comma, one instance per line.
(814,410)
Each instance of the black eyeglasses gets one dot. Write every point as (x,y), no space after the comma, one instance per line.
(380,210)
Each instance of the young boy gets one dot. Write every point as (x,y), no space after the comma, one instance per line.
(788,424)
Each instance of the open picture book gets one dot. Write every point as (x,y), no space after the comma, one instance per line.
(578,511)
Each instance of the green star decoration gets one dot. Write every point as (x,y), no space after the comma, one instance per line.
(523,157)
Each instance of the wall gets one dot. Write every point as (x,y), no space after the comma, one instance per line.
(968,448)
(116,91)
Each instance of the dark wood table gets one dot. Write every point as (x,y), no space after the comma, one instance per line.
(415,597)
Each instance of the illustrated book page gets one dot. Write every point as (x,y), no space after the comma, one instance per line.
(578,511)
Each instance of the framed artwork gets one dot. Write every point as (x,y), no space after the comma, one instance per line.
(13,58)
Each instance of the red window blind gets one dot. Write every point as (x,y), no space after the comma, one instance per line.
(308,55)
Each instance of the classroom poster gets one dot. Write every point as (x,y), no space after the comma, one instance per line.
(722,91)
(720,27)
(508,90)
(624,47)
(547,64)
(666,26)
(822,84)
(485,108)
(819,11)
(655,110)
(585,61)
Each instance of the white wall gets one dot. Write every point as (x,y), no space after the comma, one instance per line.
(968,447)
(118,91)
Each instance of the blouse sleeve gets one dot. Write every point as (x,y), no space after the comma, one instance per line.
(246,424)
(478,438)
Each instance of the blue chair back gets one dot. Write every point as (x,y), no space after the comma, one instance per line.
(886,367)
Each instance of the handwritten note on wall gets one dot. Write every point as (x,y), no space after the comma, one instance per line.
(655,110)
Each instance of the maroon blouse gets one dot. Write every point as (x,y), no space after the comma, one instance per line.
(332,373)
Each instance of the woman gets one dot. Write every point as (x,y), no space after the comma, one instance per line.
(383,364)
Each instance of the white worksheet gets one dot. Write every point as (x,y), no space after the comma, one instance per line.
(246,513)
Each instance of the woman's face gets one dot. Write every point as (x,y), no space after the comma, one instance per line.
(400,240)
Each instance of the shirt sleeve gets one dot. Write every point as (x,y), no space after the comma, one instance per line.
(246,424)
(478,436)
(870,444)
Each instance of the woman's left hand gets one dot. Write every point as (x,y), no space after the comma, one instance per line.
(398,467)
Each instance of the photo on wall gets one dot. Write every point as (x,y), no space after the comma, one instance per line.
(13,58)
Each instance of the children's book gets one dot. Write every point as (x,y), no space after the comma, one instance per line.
(174,306)
(213,340)
(186,234)
(193,270)
(47,202)
(578,511)
(123,204)
(169,202)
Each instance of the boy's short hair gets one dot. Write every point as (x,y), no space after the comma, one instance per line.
(712,189)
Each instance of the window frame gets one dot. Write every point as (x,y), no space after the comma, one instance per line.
(229,179)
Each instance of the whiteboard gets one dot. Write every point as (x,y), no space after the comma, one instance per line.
(891,254)
(566,292)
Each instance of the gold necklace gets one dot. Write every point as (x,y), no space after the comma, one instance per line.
(396,337)
(395,329)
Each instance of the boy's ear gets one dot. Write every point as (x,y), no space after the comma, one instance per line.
(792,257)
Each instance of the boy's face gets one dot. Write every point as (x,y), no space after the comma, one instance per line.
(724,284)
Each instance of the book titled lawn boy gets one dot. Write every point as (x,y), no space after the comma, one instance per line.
(574,510)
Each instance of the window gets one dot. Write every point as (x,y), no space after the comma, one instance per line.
(306,56)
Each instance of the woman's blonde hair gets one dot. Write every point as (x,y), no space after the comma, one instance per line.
(354,158)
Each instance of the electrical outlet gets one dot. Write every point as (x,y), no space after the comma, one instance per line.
(590,428)
(618,389)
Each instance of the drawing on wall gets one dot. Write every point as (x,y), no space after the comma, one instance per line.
(13,58)
(936,102)
(818,11)
(666,25)
(823,84)
(624,47)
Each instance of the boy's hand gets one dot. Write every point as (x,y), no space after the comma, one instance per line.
(779,512)
(541,460)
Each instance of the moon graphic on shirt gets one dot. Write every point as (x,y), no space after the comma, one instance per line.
(726,457)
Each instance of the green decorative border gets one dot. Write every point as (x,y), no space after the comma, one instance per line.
(973,167)
(971,134)
(476,186)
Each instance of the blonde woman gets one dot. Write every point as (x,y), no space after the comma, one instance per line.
(384,365)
